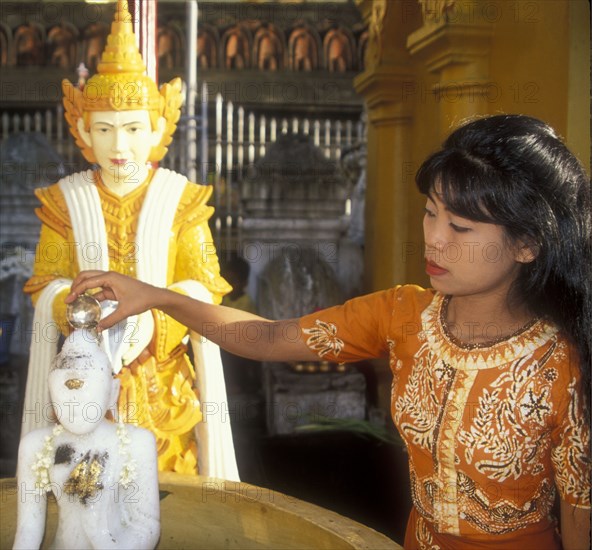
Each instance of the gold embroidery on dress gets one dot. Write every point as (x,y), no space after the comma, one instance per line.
(570,479)
(499,430)
(424,536)
(323,338)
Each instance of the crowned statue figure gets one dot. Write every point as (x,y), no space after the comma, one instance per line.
(129,217)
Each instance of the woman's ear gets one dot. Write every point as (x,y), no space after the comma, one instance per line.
(526,252)
(83,133)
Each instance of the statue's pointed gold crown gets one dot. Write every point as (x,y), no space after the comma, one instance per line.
(121,54)
(121,84)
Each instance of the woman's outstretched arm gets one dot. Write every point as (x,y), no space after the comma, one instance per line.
(236,331)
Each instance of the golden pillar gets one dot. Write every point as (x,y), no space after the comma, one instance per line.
(454,44)
(384,85)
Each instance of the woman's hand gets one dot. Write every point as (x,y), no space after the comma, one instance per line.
(133,296)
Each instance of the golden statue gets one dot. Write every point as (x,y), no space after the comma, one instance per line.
(149,223)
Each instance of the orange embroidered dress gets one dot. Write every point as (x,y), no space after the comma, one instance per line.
(491,431)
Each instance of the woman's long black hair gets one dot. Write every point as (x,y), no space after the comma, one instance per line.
(514,171)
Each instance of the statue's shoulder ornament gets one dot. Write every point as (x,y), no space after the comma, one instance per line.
(193,206)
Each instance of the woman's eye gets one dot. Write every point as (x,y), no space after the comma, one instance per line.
(458,228)
(428,213)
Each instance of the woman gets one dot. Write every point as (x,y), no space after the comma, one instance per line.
(490,365)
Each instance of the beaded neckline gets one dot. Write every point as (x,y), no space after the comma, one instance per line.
(483,355)
(481,345)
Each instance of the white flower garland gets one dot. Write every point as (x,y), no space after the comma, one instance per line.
(128,472)
(46,459)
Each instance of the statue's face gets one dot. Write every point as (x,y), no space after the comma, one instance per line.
(81,395)
(121,142)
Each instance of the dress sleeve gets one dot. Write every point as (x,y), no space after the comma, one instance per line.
(354,331)
(571,446)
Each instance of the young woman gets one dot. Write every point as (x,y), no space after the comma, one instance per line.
(490,365)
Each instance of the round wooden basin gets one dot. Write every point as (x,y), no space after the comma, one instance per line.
(199,512)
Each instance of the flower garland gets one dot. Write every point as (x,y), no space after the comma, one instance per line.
(46,459)
(128,472)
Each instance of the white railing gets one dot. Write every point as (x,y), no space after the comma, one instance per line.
(239,139)
(235,140)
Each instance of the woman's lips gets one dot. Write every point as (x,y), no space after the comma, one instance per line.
(118,162)
(433,269)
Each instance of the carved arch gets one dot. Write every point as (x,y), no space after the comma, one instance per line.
(28,45)
(304,48)
(269,48)
(94,40)
(362,45)
(208,47)
(170,46)
(5,45)
(338,49)
(236,47)
(62,45)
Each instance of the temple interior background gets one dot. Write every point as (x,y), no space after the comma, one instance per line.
(312,118)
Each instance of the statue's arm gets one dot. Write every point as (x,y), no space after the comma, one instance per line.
(32,505)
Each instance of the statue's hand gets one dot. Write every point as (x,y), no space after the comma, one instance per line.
(134,296)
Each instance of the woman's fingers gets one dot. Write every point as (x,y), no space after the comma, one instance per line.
(112,319)
(131,294)
(87,280)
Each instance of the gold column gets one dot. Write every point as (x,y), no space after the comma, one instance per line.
(454,43)
(383,84)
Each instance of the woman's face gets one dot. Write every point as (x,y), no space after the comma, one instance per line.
(464,257)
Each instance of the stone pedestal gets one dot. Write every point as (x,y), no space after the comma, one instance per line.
(296,399)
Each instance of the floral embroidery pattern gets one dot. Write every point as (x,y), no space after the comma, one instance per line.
(420,416)
(510,424)
(424,537)
(491,429)
(574,451)
(323,338)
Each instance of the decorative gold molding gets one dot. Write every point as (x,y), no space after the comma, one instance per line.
(434,11)
(444,44)
(384,92)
